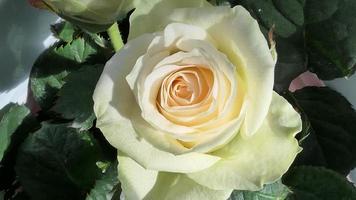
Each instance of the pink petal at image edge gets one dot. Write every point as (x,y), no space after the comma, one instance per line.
(304,80)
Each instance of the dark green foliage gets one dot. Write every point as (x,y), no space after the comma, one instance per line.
(16,123)
(316,183)
(75,98)
(11,117)
(106,186)
(57,162)
(332,136)
(331,37)
(76,49)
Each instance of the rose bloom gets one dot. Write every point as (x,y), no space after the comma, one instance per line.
(189,104)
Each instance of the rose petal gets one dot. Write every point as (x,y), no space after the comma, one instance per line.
(155,12)
(136,181)
(139,183)
(248,163)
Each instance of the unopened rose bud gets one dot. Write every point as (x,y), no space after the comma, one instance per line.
(92,15)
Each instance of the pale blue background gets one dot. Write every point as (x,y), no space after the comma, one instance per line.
(22,32)
(25,30)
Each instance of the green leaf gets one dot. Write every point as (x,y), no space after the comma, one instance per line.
(98,39)
(331,37)
(105,187)
(2,195)
(67,32)
(286,19)
(75,98)
(64,31)
(274,191)
(332,137)
(52,67)
(11,117)
(58,162)
(316,183)
(78,50)
(16,123)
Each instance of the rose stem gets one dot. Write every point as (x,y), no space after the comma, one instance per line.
(115,37)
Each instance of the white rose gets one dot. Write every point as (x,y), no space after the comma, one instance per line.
(189,104)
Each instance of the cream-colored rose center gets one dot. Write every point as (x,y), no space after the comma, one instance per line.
(185,92)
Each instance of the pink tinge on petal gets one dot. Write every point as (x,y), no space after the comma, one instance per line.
(37,4)
(306,79)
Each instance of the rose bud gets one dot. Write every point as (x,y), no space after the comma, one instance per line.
(92,15)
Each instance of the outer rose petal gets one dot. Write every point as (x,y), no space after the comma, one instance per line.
(139,183)
(113,104)
(136,181)
(245,46)
(151,15)
(248,163)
